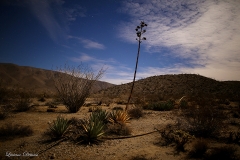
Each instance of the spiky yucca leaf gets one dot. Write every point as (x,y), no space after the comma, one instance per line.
(119,116)
(59,127)
(93,130)
(100,115)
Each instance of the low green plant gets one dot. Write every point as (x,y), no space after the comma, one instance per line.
(93,129)
(58,128)
(14,130)
(99,115)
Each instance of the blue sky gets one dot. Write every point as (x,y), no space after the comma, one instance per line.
(183,36)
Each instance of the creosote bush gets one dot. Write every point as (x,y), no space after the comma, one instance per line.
(15,130)
(74,84)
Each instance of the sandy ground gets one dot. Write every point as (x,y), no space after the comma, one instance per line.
(118,149)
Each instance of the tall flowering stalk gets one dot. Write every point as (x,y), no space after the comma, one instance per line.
(139,29)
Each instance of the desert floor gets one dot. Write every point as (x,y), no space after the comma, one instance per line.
(143,147)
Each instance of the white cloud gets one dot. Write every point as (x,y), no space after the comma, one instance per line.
(206,32)
(88,43)
(54,17)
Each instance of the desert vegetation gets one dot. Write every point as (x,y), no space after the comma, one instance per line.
(165,121)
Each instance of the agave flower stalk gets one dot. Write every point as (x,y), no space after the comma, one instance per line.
(139,39)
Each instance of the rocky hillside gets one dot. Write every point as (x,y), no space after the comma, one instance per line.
(36,79)
(175,86)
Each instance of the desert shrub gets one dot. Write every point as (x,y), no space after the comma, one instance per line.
(203,121)
(13,130)
(22,100)
(222,153)
(178,137)
(136,112)
(118,129)
(119,116)
(74,84)
(160,106)
(58,128)
(199,148)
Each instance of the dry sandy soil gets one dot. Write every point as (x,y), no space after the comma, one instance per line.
(143,147)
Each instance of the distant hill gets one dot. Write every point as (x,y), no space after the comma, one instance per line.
(175,86)
(35,79)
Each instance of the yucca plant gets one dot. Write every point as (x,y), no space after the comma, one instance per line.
(119,116)
(93,130)
(99,115)
(59,127)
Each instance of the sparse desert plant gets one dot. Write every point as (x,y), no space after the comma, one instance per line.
(58,128)
(181,138)
(118,116)
(178,137)
(222,153)
(118,129)
(99,115)
(93,129)
(14,130)
(199,148)
(136,112)
(22,100)
(203,121)
(74,84)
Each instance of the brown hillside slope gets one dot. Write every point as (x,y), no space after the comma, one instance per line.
(37,79)
(175,86)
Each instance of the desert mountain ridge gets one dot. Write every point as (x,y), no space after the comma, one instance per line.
(160,86)
(12,75)
(175,86)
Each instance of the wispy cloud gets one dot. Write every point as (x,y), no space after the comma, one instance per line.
(54,17)
(206,32)
(89,44)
